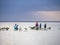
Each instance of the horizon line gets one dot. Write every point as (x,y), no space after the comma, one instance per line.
(29,21)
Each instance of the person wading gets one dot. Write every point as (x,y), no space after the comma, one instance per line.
(45,26)
(40,25)
(36,25)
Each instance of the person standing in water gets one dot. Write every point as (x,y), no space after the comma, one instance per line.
(45,26)
(15,27)
(36,25)
(40,25)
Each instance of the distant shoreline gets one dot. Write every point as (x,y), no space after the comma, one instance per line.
(29,21)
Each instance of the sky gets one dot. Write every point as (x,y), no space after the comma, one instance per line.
(29,10)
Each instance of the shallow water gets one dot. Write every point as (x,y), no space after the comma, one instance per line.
(30,37)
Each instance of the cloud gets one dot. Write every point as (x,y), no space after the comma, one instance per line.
(47,15)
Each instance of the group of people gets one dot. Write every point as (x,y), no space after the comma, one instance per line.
(36,25)
(39,26)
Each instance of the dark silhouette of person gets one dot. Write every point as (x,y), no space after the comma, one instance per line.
(36,25)
(40,25)
(45,26)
